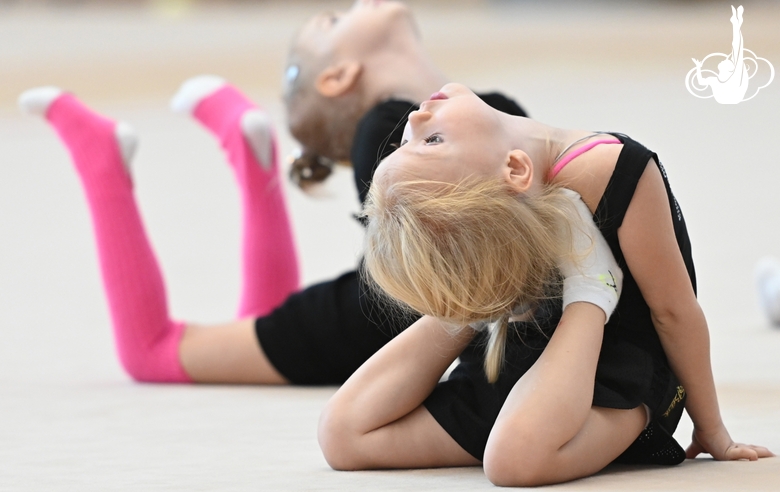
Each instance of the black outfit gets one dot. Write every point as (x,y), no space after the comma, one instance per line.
(323,333)
(632,367)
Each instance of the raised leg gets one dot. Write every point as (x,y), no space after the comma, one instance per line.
(270,263)
(147,340)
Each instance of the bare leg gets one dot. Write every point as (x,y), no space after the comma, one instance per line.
(547,430)
(226,353)
(269,257)
(376,419)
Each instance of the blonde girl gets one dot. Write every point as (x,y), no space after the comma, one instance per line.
(469,226)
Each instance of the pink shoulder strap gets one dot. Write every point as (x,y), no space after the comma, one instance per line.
(578,152)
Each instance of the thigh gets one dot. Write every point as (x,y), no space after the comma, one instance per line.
(226,353)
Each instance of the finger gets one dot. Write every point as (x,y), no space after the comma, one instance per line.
(694,450)
(761,451)
(741,452)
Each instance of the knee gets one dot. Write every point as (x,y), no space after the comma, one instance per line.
(338,441)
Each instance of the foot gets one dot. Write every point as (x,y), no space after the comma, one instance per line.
(767,274)
(255,124)
(193,91)
(37,102)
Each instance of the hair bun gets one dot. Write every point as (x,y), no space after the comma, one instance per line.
(307,169)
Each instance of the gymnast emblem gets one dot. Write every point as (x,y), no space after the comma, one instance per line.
(730,84)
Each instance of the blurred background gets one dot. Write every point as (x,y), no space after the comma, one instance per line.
(599,65)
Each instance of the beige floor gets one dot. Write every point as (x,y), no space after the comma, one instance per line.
(71,420)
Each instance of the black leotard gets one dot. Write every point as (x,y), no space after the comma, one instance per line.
(632,367)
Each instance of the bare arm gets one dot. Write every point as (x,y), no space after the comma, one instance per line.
(648,242)
(376,419)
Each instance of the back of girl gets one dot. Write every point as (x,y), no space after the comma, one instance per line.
(594,346)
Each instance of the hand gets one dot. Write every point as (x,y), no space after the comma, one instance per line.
(719,444)
(590,273)
(697,62)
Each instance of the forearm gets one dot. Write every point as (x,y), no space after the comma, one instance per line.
(685,339)
(399,377)
(556,394)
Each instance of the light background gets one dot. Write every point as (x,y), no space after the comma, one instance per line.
(69,417)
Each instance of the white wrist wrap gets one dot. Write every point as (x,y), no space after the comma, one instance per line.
(595,277)
(602,292)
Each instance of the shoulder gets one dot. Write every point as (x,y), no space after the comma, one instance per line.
(590,173)
(612,170)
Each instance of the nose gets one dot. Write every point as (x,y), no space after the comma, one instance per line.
(418,117)
(416,120)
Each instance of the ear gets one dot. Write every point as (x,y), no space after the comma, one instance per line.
(519,171)
(337,79)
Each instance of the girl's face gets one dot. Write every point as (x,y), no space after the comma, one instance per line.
(452,136)
(365,25)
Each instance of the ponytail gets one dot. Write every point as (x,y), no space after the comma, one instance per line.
(496,346)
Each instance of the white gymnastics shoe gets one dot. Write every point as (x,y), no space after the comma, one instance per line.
(193,91)
(37,101)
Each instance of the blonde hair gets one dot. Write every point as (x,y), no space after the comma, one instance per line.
(468,252)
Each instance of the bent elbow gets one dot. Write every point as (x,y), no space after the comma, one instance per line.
(513,473)
(339,444)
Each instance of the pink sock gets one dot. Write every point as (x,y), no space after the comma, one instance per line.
(269,258)
(146,339)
